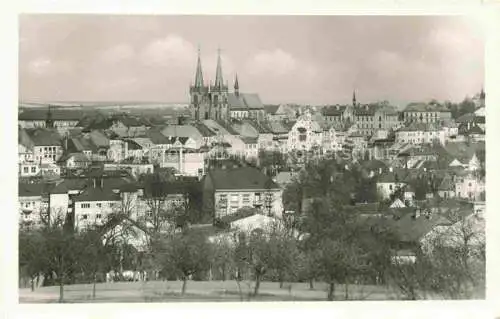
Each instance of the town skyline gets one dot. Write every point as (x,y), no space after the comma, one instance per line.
(146,60)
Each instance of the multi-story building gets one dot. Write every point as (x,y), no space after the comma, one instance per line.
(305,134)
(421,133)
(426,113)
(216,103)
(61,120)
(369,118)
(45,143)
(225,191)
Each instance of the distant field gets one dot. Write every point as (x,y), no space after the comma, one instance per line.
(169,291)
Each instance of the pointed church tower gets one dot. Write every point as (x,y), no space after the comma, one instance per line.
(236,86)
(218,94)
(198,80)
(354,98)
(49,122)
(199,94)
(219,81)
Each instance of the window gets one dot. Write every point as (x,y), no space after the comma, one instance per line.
(98,216)
(25,170)
(85,205)
(223,201)
(246,199)
(99,205)
(33,169)
(390,187)
(45,149)
(84,216)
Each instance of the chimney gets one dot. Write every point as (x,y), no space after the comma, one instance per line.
(102,182)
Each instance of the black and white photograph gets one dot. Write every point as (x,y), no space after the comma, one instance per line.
(250,158)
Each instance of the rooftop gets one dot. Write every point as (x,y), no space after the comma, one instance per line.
(241,178)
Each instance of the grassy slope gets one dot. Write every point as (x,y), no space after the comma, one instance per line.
(163,291)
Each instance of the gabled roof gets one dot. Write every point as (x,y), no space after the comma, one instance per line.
(271,109)
(333,110)
(421,127)
(132,145)
(156,136)
(204,130)
(249,140)
(128,120)
(244,101)
(424,107)
(92,194)
(241,178)
(396,176)
(34,189)
(476,130)
(44,137)
(80,144)
(261,127)
(466,118)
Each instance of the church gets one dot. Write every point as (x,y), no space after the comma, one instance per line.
(215,102)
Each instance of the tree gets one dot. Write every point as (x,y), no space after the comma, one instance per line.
(31,255)
(61,251)
(186,254)
(95,253)
(223,261)
(285,253)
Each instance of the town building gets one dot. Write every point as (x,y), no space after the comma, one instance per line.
(217,103)
(426,113)
(225,191)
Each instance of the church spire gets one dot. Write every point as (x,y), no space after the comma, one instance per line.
(198,80)
(49,122)
(236,85)
(353,97)
(219,83)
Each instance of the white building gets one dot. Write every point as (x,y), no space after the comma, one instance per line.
(305,134)
(421,133)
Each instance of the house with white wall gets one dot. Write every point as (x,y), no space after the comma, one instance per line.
(225,191)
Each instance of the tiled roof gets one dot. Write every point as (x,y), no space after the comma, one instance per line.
(261,127)
(34,189)
(91,194)
(241,178)
(424,107)
(333,110)
(204,130)
(468,117)
(156,136)
(249,140)
(244,101)
(425,127)
(227,127)
(69,184)
(271,109)
(132,145)
(44,137)
(476,130)
(79,144)
(128,121)
(392,177)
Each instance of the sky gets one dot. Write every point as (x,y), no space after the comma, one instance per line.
(286,59)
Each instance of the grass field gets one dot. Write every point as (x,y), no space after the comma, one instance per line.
(169,291)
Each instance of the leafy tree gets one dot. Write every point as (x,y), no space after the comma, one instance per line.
(61,251)
(31,254)
(186,254)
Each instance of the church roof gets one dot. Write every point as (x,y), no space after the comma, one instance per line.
(244,101)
